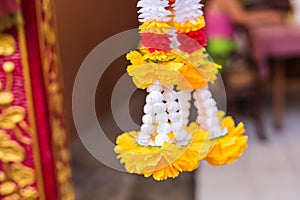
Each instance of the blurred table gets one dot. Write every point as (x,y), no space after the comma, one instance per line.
(279,42)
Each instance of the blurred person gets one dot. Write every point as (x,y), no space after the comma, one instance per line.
(229,48)
(221,18)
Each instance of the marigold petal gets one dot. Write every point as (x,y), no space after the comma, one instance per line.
(160,162)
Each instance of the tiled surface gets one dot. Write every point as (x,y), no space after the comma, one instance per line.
(268,170)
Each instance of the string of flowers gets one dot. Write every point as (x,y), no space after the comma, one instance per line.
(170,64)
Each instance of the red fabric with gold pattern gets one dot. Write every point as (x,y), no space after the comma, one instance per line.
(34,158)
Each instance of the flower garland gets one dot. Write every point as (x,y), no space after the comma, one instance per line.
(166,161)
(171,64)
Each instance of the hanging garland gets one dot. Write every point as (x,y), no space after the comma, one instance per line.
(171,64)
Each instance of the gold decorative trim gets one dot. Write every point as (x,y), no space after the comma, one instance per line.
(53,84)
(17,179)
(30,105)
(7,45)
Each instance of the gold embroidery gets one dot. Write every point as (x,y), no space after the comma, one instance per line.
(9,67)
(12,197)
(29,193)
(15,177)
(7,45)
(49,33)
(10,151)
(55,99)
(8,188)
(6,96)
(31,113)
(21,174)
(12,117)
(2,177)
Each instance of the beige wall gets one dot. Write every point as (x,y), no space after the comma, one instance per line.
(83,24)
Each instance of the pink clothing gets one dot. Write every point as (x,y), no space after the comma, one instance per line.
(218,25)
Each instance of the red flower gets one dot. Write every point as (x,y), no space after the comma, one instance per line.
(199,36)
(156,41)
(187,44)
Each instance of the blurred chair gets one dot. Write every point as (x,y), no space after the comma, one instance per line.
(279,42)
(244,93)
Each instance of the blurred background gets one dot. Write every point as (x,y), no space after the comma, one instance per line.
(262,79)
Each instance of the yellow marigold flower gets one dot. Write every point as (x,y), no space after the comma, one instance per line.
(155,27)
(159,56)
(209,71)
(191,78)
(230,147)
(171,69)
(148,67)
(146,74)
(163,162)
(198,71)
(135,58)
(188,26)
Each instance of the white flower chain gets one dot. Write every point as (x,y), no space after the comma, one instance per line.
(154,10)
(165,111)
(207,112)
(148,128)
(187,11)
(178,109)
(184,98)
